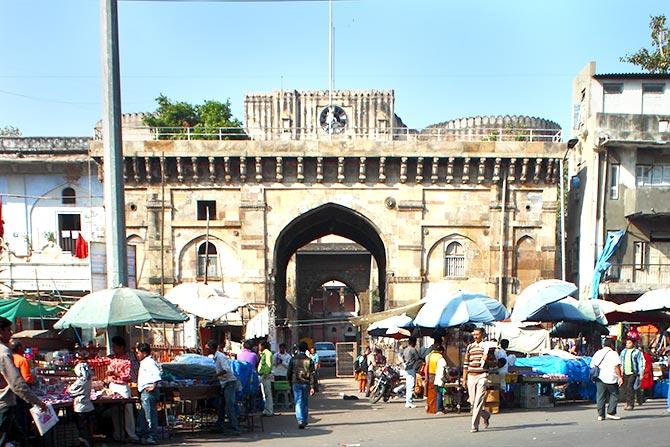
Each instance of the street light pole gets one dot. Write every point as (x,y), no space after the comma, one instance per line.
(113,185)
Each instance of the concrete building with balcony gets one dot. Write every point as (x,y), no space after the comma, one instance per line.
(620,180)
(50,196)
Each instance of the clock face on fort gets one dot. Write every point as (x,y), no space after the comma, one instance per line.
(333,119)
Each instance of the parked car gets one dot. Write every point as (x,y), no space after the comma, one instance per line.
(326,351)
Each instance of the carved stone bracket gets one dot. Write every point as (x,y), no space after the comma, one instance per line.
(147,168)
(466,170)
(300,170)
(450,170)
(340,169)
(180,170)
(496,171)
(524,170)
(259,170)
(538,170)
(511,173)
(382,169)
(279,169)
(319,169)
(212,169)
(226,169)
(433,170)
(419,170)
(194,163)
(481,170)
(243,169)
(403,169)
(361,170)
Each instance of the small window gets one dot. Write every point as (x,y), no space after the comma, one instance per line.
(653,88)
(68,196)
(614,181)
(643,175)
(208,260)
(640,252)
(206,210)
(613,88)
(454,260)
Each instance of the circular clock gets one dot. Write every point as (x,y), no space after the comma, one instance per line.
(333,119)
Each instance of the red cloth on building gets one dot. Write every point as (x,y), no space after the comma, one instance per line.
(81,248)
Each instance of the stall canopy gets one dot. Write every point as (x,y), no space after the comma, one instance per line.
(119,306)
(258,326)
(391,326)
(458,309)
(203,300)
(539,295)
(523,338)
(565,310)
(22,308)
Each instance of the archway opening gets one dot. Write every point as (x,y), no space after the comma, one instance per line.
(329,219)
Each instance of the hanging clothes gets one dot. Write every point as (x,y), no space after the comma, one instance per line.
(81,248)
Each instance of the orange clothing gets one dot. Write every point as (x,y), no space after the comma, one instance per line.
(22,364)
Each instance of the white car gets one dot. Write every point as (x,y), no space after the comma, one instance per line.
(326,351)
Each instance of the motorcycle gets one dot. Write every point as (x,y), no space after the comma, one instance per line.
(386,384)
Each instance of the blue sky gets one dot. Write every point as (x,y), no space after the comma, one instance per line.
(444,59)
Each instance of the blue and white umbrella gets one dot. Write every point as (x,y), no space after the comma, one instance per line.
(540,294)
(658,299)
(566,309)
(458,309)
(390,326)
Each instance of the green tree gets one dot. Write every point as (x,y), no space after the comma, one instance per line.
(200,120)
(656,60)
(10,131)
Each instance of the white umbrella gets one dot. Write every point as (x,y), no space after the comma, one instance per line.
(658,299)
(608,307)
(539,295)
(203,300)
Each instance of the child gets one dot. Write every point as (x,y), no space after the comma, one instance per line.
(80,390)
(147,384)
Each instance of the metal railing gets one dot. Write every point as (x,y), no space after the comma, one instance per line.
(642,274)
(478,134)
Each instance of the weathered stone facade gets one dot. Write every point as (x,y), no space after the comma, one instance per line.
(404,201)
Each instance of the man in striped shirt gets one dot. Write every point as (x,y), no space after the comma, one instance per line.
(475,376)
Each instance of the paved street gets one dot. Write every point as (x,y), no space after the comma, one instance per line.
(338,422)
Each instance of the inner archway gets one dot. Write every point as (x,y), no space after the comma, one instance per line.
(328,219)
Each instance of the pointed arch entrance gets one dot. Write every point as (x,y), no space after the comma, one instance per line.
(327,219)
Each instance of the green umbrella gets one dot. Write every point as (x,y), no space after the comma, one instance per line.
(119,306)
(22,308)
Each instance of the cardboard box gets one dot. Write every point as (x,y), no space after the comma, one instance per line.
(492,396)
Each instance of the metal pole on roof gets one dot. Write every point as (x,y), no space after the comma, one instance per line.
(115,219)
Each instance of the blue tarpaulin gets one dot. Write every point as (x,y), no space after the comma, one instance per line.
(611,244)
(577,371)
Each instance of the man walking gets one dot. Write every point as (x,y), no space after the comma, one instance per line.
(475,377)
(412,359)
(302,376)
(632,363)
(228,383)
(608,381)
(265,372)
(11,382)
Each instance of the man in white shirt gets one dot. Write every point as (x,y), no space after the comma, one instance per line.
(280,363)
(228,383)
(147,384)
(609,380)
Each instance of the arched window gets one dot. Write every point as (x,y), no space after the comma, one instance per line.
(208,260)
(454,260)
(68,196)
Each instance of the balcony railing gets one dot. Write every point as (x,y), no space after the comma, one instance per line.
(315,133)
(646,274)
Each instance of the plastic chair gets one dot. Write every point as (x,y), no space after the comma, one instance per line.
(282,394)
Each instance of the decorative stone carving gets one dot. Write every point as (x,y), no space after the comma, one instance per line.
(340,169)
(466,170)
(212,169)
(243,169)
(511,173)
(433,170)
(319,169)
(301,170)
(279,169)
(450,170)
(481,171)
(524,170)
(259,170)
(419,170)
(403,169)
(194,163)
(382,169)
(496,171)
(226,169)
(147,168)
(180,170)
(361,170)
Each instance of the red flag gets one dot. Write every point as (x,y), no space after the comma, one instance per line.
(81,248)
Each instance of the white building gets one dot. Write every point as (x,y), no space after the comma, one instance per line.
(620,180)
(50,195)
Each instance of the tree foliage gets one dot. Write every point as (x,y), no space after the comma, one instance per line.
(656,60)
(10,131)
(179,119)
